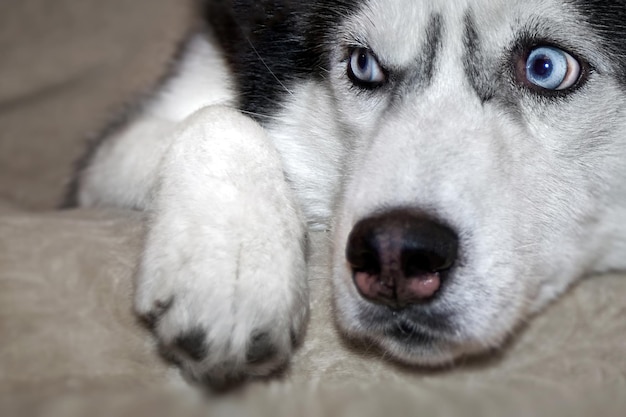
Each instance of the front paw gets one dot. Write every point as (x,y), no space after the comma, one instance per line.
(223,313)
(223,277)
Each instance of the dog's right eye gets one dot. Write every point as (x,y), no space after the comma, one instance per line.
(364,69)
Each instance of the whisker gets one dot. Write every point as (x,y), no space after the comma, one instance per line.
(266,66)
(259,115)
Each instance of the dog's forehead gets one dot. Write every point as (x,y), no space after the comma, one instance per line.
(396,29)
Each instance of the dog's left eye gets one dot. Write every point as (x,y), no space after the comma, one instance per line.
(552,69)
(364,69)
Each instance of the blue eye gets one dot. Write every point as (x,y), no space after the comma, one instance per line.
(364,69)
(552,69)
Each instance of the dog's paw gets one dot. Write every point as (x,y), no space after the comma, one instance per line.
(223,278)
(222,318)
(224,305)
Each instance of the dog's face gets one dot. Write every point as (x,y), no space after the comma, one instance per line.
(487,165)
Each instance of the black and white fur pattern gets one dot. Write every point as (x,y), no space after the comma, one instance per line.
(260,133)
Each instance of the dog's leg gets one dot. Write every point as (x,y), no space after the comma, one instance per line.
(223,273)
(123,170)
(223,277)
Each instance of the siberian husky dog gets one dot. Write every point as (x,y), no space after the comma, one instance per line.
(469,158)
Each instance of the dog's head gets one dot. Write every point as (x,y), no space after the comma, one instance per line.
(487,168)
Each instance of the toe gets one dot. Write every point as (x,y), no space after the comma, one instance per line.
(192,344)
(261,349)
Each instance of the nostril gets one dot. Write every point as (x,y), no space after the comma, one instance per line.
(430,251)
(417,262)
(365,262)
(362,253)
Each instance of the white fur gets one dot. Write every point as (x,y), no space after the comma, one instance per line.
(133,156)
(225,246)
(226,241)
(531,211)
(536,192)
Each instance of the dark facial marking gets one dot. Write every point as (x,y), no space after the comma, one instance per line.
(431,47)
(474,61)
(420,75)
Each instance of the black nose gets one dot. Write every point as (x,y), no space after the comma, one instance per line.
(400,257)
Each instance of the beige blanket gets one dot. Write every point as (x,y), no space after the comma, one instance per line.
(69,344)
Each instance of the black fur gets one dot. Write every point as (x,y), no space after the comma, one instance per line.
(272,43)
(269,44)
(608,18)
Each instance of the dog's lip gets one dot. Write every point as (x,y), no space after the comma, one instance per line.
(416,326)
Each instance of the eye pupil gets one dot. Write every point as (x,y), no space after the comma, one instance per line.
(363,61)
(543,67)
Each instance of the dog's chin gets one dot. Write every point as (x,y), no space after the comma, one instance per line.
(414,343)
(435,354)
(414,346)
(430,336)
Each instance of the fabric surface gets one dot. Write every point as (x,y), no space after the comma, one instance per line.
(69,343)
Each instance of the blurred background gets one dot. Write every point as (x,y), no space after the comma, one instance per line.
(66,66)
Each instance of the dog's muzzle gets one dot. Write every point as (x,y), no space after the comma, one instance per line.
(400,258)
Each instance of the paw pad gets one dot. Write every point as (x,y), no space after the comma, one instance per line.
(192,344)
(158,310)
(261,348)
